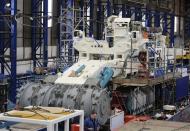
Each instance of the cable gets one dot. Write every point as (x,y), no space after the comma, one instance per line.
(19,15)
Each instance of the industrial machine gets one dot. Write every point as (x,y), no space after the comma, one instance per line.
(127,50)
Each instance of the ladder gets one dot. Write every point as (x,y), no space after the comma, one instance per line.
(66,36)
(70,20)
(117,101)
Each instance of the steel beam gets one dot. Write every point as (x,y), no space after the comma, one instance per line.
(138,14)
(148,18)
(165,20)
(13,51)
(45,33)
(123,10)
(156,19)
(109,10)
(172,19)
(91,18)
(100,21)
(2,29)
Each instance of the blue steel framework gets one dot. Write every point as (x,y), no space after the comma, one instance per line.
(40,33)
(8,41)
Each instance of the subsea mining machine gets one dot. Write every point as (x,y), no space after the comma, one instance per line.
(85,84)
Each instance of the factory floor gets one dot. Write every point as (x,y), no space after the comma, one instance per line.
(155,125)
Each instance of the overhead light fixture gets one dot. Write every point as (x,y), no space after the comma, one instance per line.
(7,5)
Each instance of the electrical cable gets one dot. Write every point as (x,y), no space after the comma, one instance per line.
(58,18)
(31,18)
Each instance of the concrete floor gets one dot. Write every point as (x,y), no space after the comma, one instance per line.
(155,125)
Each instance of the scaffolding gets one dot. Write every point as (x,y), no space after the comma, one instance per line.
(71,19)
(8,43)
(40,33)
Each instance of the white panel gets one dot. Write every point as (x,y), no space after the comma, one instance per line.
(20,42)
(19,53)
(23,66)
(49,51)
(27,53)
(7,52)
(116,121)
(54,51)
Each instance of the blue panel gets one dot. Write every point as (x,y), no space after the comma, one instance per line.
(182,116)
(106,75)
(80,69)
(182,85)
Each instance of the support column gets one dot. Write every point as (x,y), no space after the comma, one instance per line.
(45,33)
(138,14)
(13,53)
(91,18)
(157,19)
(172,18)
(100,20)
(148,18)
(2,41)
(109,10)
(123,10)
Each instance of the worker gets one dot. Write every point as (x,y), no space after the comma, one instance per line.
(162,116)
(91,123)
